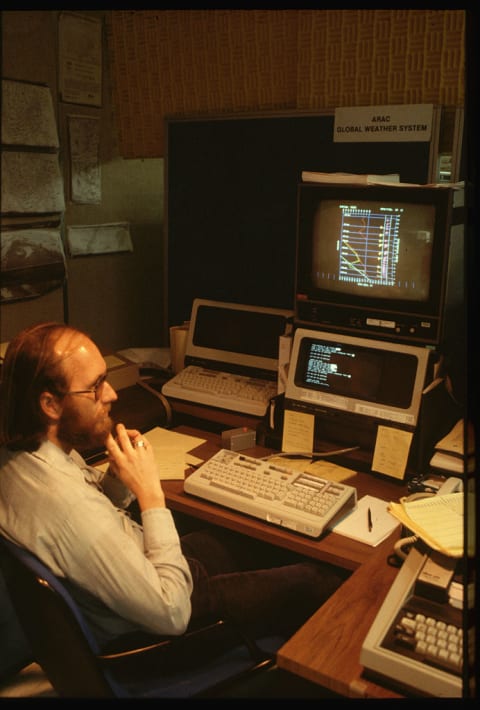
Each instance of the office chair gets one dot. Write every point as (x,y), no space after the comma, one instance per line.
(15,652)
(200,663)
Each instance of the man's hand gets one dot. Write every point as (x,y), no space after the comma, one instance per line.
(132,461)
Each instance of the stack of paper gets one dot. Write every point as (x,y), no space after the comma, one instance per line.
(449,452)
(171,452)
(350,178)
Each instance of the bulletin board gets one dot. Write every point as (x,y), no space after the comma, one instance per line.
(32,258)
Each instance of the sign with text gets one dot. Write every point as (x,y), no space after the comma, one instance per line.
(376,124)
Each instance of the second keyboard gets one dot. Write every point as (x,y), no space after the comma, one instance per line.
(239,393)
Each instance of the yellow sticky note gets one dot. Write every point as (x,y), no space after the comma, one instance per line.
(392,448)
(298,430)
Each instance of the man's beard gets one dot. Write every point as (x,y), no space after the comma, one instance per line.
(82,434)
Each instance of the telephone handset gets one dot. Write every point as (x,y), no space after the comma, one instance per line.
(451,485)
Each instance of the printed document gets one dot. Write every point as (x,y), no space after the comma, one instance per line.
(437,519)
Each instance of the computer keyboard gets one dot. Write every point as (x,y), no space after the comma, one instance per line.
(414,641)
(275,493)
(238,393)
(429,633)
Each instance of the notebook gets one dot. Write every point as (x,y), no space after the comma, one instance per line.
(370,522)
(231,356)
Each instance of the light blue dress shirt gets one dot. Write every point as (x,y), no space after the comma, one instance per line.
(72,516)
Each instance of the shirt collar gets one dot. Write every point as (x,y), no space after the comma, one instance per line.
(55,456)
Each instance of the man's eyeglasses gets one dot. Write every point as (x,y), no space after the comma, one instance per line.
(96,389)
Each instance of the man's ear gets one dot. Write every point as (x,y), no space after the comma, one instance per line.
(50,405)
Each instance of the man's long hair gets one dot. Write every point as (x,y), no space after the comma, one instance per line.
(31,366)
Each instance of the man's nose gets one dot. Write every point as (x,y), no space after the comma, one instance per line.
(109,393)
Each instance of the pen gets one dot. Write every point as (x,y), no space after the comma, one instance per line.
(370,522)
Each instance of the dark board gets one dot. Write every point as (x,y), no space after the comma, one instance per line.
(231,190)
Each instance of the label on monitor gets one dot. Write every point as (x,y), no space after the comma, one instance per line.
(358,408)
(381,323)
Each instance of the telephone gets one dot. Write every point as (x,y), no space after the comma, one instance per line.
(403,545)
(391,651)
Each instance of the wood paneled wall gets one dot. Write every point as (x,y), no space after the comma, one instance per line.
(176,62)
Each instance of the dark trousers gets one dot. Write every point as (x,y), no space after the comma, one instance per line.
(262,588)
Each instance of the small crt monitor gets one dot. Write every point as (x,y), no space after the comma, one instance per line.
(351,393)
(332,372)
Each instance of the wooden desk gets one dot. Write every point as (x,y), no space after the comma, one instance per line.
(326,650)
(332,548)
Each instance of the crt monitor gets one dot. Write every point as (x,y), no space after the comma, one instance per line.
(332,372)
(351,385)
(378,260)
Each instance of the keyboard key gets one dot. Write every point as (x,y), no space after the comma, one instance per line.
(430,639)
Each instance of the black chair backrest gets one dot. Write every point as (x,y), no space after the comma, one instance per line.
(15,653)
(60,640)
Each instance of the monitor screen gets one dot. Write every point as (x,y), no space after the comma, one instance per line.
(374,259)
(236,328)
(356,375)
(375,248)
(347,370)
(243,336)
